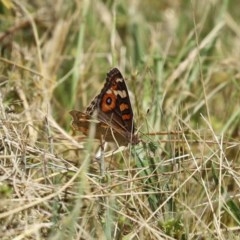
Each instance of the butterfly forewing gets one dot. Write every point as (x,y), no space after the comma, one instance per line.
(114,102)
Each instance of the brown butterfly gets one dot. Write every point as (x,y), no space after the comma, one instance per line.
(111,111)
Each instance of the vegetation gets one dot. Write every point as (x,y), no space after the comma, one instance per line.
(181,63)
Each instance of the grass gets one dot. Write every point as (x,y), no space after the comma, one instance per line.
(181,64)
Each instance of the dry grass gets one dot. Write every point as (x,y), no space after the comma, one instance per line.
(181,62)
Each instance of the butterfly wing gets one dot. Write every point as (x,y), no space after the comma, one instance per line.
(114,104)
(112,107)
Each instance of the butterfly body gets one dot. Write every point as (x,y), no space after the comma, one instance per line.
(110,111)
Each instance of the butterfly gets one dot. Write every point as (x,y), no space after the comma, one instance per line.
(110,111)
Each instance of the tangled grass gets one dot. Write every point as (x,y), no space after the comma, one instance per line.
(181,63)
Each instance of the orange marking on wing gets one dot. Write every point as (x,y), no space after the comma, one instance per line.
(126,117)
(108,107)
(123,107)
(114,86)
